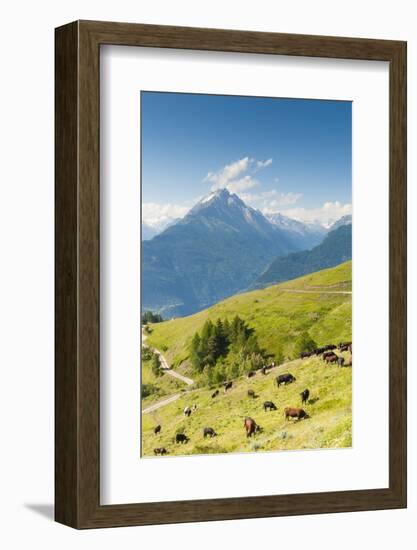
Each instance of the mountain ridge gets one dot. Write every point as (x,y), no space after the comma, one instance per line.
(335,249)
(218,248)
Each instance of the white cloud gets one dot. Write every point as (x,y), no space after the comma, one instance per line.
(326,214)
(159,215)
(228,173)
(263,163)
(247,182)
(270,201)
(237,176)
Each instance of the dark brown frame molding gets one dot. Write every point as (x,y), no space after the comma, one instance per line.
(77,466)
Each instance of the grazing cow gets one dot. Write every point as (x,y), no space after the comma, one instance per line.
(187,411)
(250,426)
(305,354)
(344,346)
(181,438)
(266,368)
(269,406)
(157,429)
(251,393)
(160,451)
(209,432)
(227,386)
(304,396)
(328,354)
(251,373)
(340,361)
(331,358)
(329,347)
(294,412)
(285,379)
(215,394)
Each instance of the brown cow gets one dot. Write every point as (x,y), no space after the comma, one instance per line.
(250,426)
(331,358)
(251,393)
(294,412)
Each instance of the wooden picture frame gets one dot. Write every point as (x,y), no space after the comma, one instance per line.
(77,382)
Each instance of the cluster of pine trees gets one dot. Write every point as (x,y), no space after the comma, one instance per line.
(225,349)
(150,317)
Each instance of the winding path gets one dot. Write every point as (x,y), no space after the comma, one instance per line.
(300,291)
(162,403)
(167,370)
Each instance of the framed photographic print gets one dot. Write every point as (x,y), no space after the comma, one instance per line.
(230,274)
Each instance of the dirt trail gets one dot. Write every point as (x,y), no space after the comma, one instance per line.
(167,370)
(296,291)
(162,403)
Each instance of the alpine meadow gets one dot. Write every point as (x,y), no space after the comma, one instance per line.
(246,275)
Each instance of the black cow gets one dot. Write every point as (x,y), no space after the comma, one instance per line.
(251,373)
(286,378)
(157,429)
(305,354)
(215,394)
(181,438)
(330,347)
(160,451)
(269,406)
(251,393)
(209,432)
(304,396)
(227,386)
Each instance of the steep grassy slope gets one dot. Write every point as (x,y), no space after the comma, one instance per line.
(315,302)
(329,424)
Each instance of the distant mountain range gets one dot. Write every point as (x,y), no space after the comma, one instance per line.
(344,220)
(335,249)
(218,249)
(304,235)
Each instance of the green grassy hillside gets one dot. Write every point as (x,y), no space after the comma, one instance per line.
(329,408)
(278,314)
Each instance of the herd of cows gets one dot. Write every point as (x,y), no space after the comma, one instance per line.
(328,355)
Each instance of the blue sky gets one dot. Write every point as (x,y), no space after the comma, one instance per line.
(288,155)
